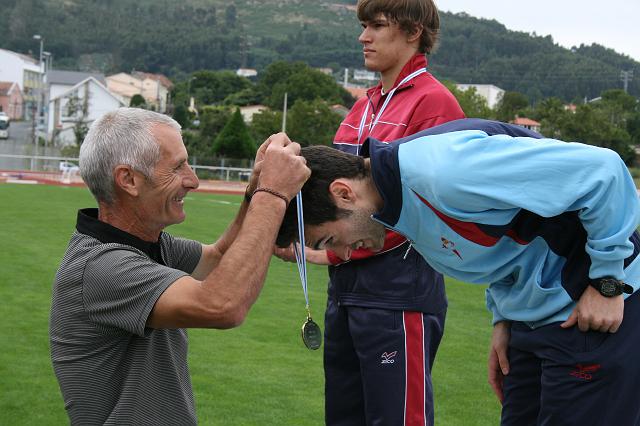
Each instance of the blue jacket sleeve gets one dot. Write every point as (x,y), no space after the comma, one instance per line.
(488,179)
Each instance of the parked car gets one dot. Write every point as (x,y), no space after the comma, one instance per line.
(69,171)
(4,125)
(69,167)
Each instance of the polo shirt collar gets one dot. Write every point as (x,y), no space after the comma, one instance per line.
(89,224)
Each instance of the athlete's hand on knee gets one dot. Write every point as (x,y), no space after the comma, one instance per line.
(498,360)
(596,312)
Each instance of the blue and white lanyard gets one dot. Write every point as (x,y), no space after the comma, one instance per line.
(298,249)
(363,120)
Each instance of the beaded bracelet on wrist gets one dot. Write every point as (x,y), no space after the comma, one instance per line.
(272,192)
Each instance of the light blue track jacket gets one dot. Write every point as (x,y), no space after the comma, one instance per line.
(534,218)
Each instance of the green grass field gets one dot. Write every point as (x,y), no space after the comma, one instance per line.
(258,374)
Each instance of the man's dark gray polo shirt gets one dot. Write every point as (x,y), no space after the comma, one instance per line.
(110,367)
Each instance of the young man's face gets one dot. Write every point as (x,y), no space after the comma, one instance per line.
(162,200)
(385,45)
(357,230)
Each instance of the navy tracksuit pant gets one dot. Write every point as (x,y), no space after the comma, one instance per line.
(566,377)
(381,378)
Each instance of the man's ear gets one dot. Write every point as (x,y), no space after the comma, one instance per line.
(343,192)
(126,180)
(415,34)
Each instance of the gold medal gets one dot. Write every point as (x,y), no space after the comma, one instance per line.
(311,334)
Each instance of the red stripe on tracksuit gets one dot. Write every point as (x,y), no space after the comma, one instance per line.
(414,362)
(471,231)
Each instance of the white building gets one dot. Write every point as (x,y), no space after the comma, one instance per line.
(491,93)
(246,72)
(27,73)
(154,88)
(91,100)
(250,110)
(366,75)
(124,86)
(59,82)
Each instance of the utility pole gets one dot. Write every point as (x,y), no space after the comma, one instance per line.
(626,77)
(38,110)
(284,114)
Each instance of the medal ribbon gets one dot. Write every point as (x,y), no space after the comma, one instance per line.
(384,106)
(298,249)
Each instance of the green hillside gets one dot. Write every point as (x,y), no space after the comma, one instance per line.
(180,37)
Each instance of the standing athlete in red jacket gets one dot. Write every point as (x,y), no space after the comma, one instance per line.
(385,311)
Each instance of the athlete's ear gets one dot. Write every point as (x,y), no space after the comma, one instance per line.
(342,192)
(415,34)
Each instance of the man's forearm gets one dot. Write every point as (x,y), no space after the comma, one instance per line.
(229,235)
(212,253)
(240,275)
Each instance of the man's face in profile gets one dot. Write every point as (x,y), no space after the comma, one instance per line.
(342,236)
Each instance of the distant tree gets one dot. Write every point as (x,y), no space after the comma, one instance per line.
(592,125)
(299,81)
(312,123)
(212,87)
(212,121)
(235,141)
(473,104)
(552,116)
(137,101)
(181,115)
(244,97)
(511,104)
(633,127)
(197,147)
(230,16)
(619,105)
(265,123)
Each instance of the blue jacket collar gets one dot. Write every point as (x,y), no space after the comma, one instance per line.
(385,171)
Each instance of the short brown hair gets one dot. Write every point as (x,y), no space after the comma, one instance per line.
(326,164)
(410,15)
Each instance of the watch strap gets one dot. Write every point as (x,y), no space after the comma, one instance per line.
(610,287)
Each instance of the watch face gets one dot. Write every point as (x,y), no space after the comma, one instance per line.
(608,288)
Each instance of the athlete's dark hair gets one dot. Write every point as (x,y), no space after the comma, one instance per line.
(326,164)
(410,15)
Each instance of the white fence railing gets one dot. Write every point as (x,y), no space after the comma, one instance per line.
(51,164)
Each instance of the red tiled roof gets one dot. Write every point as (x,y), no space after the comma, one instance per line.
(160,77)
(357,92)
(522,121)
(5,86)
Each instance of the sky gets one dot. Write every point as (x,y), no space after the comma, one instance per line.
(613,23)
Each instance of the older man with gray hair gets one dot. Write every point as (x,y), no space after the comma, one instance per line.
(126,290)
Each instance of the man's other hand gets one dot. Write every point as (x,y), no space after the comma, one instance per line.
(596,312)
(498,360)
(317,257)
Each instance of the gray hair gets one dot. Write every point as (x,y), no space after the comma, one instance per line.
(120,137)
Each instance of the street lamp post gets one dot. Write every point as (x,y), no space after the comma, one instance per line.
(39,94)
(48,61)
